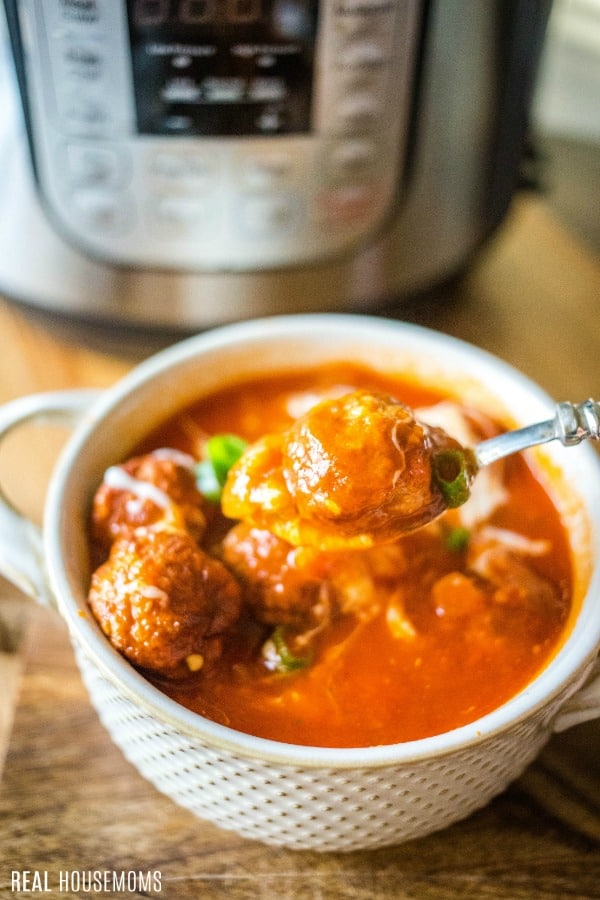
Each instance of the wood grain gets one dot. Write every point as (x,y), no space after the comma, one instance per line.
(69,801)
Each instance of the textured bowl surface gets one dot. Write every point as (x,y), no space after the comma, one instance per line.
(303,797)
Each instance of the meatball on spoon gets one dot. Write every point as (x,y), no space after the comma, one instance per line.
(361,469)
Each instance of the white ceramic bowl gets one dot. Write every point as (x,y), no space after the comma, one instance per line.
(296,796)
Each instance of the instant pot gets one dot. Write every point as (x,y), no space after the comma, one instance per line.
(180,163)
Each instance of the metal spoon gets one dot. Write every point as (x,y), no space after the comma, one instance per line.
(571,425)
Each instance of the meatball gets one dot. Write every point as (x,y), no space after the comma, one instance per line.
(143,491)
(351,472)
(277,587)
(163,602)
(304,588)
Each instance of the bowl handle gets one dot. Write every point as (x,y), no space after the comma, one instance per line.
(21,551)
(583,705)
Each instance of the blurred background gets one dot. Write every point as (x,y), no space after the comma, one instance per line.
(566,116)
(561,163)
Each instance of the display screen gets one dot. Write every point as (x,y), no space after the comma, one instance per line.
(223,67)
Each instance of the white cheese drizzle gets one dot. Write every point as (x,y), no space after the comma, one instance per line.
(177,456)
(116,477)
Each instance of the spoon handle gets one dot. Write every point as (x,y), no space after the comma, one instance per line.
(571,425)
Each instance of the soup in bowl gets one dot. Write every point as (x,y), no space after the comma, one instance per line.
(324,685)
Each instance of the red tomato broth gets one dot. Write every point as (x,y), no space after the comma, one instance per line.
(366,686)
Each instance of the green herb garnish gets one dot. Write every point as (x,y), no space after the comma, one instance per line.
(457,539)
(277,655)
(207,482)
(222,451)
(453,472)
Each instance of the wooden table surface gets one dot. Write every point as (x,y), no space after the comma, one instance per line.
(69,802)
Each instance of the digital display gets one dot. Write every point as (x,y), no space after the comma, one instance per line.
(223,67)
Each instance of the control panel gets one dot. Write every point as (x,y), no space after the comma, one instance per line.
(219,134)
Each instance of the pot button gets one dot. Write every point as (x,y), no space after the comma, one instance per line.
(83,61)
(175,123)
(351,160)
(182,213)
(81,112)
(102,210)
(357,113)
(93,166)
(176,167)
(80,12)
(265,171)
(270,215)
(363,55)
(364,17)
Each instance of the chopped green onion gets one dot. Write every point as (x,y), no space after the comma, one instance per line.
(207,482)
(277,655)
(222,451)
(457,539)
(453,472)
